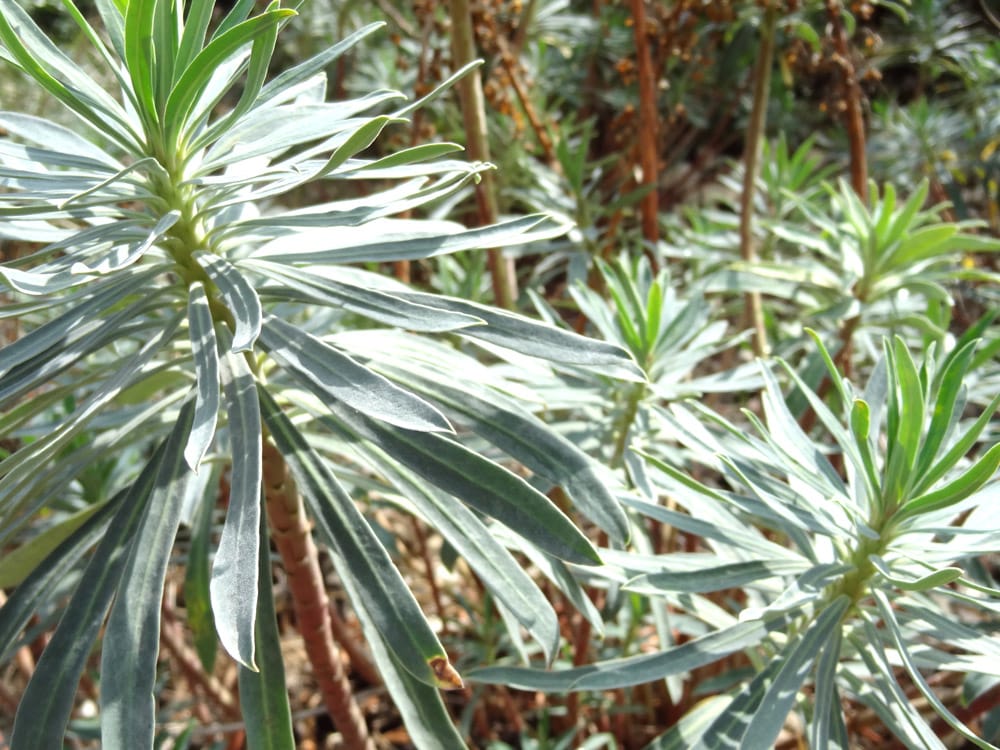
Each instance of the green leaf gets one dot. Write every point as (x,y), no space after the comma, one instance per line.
(357,140)
(40,583)
(196,76)
(192,39)
(260,58)
(903,221)
(861,429)
(718,578)
(348,247)
(428,723)
(535,339)
(17,564)
(756,715)
(358,555)
(47,701)
(383,307)
(687,733)
(235,586)
(903,651)
(240,298)
(197,576)
(479,483)
(264,692)
(632,670)
(922,244)
(132,635)
(977,475)
(959,449)
(828,717)
(949,386)
(141,57)
(288,79)
(44,62)
(205,355)
(905,421)
(330,373)
(938,578)
(526,439)
(474,541)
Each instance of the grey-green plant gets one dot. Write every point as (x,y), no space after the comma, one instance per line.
(841,568)
(192,322)
(672,333)
(860,271)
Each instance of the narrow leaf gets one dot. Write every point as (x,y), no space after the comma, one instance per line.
(479,483)
(47,702)
(360,557)
(240,297)
(234,586)
(204,353)
(332,374)
(537,339)
(132,634)
(264,693)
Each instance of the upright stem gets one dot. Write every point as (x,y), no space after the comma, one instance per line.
(290,530)
(854,119)
(648,119)
(754,311)
(470,91)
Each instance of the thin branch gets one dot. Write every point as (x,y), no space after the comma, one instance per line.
(854,120)
(754,310)
(648,126)
(470,91)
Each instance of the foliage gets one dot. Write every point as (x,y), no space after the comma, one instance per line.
(840,577)
(214,372)
(168,298)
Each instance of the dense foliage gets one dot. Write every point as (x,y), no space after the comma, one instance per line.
(665,419)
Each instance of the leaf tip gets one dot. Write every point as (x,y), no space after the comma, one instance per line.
(445,675)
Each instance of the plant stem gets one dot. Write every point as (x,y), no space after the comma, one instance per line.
(754,310)
(854,119)
(648,119)
(290,530)
(470,92)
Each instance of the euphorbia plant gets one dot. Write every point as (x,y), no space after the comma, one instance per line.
(173,301)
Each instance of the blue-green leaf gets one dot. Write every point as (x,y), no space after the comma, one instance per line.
(132,634)
(360,557)
(330,373)
(478,482)
(632,670)
(264,693)
(234,586)
(240,298)
(47,702)
(205,355)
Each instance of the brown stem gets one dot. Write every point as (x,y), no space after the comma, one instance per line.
(185,657)
(510,65)
(754,311)
(425,558)
(290,530)
(360,660)
(648,119)
(470,92)
(854,119)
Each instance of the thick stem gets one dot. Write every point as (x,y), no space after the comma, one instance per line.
(291,532)
(854,119)
(648,121)
(470,92)
(754,312)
